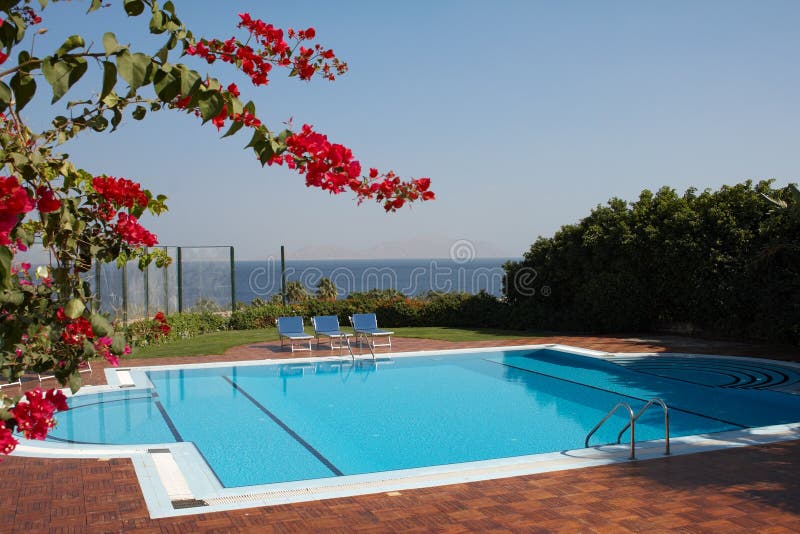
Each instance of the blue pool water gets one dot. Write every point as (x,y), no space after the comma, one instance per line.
(277,423)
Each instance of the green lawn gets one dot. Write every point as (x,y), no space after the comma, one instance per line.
(219,342)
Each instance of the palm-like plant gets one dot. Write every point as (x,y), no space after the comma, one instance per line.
(326,289)
(295,292)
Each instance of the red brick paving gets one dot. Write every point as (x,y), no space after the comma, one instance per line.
(751,489)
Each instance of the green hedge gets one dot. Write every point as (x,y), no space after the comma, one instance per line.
(719,262)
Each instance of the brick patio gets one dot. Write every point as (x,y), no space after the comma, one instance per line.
(752,489)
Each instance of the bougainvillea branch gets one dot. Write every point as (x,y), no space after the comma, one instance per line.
(48,319)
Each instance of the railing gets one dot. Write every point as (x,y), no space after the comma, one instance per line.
(350,349)
(632,424)
(608,415)
(663,405)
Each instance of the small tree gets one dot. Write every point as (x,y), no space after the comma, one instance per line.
(326,289)
(295,292)
(46,322)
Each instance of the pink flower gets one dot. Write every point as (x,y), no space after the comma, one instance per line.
(7,441)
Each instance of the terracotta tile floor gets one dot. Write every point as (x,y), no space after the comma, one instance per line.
(750,489)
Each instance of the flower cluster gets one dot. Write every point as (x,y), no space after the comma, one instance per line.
(331,167)
(132,232)
(161,324)
(47,201)
(34,414)
(7,441)
(119,192)
(14,204)
(76,331)
(103,347)
(274,51)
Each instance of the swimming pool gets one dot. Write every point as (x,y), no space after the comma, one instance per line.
(271,423)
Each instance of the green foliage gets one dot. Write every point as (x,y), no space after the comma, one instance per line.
(717,262)
(182,326)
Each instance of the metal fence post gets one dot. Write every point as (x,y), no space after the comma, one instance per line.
(283,277)
(180,282)
(233,283)
(97,302)
(166,286)
(146,281)
(125,293)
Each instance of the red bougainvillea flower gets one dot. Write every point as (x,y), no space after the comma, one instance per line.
(120,192)
(103,347)
(76,331)
(7,441)
(34,414)
(132,232)
(14,203)
(163,327)
(47,201)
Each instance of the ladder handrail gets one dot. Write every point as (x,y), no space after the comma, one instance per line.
(632,424)
(652,401)
(350,349)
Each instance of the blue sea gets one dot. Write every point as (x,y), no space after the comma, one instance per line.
(208,280)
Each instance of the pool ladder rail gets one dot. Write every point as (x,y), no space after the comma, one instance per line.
(632,424)
(350,349)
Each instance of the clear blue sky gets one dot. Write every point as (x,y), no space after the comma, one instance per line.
(524,114)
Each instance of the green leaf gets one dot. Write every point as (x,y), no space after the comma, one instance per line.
(110,44)
(133,7)
(5,96)
(24,87)
(109,78)
(190,81)
(72,42)
(15,298)
(74,381)
(100,325)
(166,84)
(157,22)
(118,344)
(63,73)
(139,113)
(136,69)
(210,104)
(235,127)
(116,119)
(98,123)
(6,256)
(74,308)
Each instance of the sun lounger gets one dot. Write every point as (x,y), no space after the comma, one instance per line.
(366,325)
(291,328)
(84,367)
(328,326)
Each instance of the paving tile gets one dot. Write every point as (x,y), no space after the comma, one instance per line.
(750,489)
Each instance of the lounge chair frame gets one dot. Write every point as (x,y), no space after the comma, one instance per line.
(323,327)
(292,334)
(368,331)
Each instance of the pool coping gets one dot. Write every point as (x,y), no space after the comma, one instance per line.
(176,481)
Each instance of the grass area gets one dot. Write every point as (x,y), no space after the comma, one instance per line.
(219,342)
(214,343)
(443,333)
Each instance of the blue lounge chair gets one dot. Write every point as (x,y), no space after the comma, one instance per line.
(328,326)
(366,325)
(291,328)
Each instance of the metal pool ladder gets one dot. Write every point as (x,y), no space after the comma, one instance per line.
(350,349)
(632,423)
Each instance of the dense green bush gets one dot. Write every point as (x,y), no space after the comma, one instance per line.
(182,325)
(721,262)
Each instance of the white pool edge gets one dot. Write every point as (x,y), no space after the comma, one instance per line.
(183,475)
